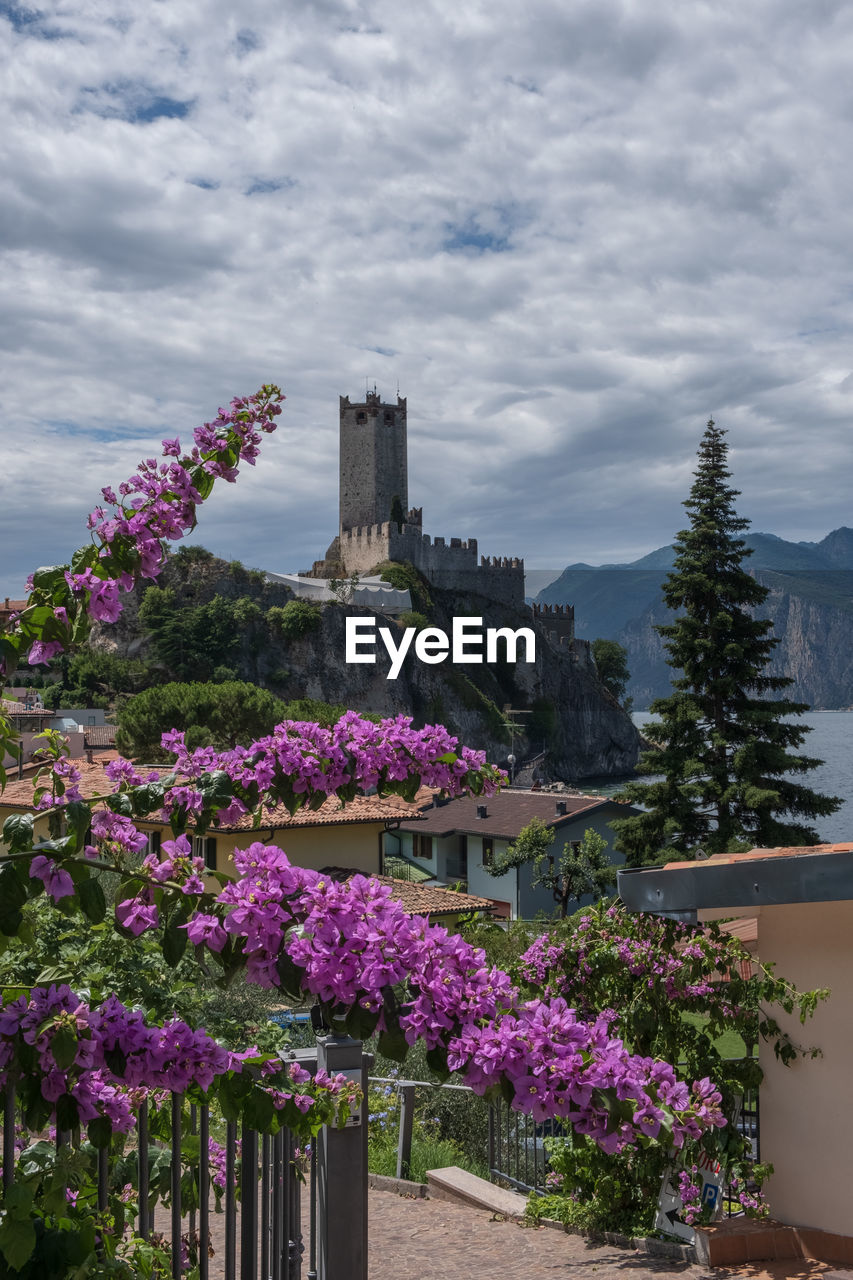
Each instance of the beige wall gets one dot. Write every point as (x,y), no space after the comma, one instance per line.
(806,1116)
(354,845)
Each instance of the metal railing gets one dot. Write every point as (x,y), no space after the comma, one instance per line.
(265,1206)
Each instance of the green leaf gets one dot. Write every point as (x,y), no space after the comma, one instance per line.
(67,1113)
(17,1241)
(78,816)
(93,904)
(17,832)
(436,1060)
(63,1047)
(393,1045)
(174,944)
(258,1110)
(100,1130)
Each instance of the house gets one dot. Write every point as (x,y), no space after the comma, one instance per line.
(345,835)
(30,720)
(802,902)
(455,840)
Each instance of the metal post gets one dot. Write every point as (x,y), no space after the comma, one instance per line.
(342,1175)
(265,1207)
(177,1101)
(249,1205)
(203,1192)
(144,1216)
(406,1090)
(230,1201)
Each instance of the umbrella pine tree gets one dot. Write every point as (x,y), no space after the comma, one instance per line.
(725,754)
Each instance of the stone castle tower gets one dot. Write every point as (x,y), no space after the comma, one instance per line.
(374,483)
(373,461)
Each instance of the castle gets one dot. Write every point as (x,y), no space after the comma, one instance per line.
(377,524)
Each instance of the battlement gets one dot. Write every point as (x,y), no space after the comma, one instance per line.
(501,562)
(558,621)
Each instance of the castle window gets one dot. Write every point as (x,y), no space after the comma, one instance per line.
(389,418)
(361,417)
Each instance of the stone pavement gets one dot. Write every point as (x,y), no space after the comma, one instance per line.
(439,1240)
(434,1239)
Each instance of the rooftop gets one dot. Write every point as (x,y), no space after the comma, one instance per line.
(93,782)
(502,815)
(422,899)
(758,877)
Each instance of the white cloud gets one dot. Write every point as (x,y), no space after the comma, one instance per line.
(570,233)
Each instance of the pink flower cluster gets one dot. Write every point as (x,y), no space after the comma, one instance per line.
(351,944)
(302,759)
(155,505)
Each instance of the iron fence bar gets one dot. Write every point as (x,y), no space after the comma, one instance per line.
(312,1215)
(265,1207)
(274,1213)
(230,1201)
(286,1222)
(175,1188)
(296,1213)
(9,1110)
(203,1192)
(144,1226)
(193,1130)
(249,1205)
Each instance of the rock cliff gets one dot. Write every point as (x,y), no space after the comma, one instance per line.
(582,727)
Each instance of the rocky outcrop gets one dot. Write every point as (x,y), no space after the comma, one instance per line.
(583,728)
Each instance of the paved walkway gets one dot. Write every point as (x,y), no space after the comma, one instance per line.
(439,1240)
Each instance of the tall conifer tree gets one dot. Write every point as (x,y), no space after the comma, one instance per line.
(723,741)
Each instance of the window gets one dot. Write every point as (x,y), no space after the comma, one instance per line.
(488,851)
(389,418)
(463,854)
(361,417)
(421,846)
(154,843)
(205,847)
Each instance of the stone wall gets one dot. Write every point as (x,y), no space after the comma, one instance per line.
(452,565)
(373,460)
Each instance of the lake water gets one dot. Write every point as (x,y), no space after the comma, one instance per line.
(830,740)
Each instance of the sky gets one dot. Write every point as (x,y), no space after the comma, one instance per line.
(567,232)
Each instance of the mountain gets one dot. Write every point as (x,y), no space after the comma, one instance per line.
(810,602)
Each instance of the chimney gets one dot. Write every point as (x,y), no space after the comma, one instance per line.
(482,811)
(90,756)
(561,808)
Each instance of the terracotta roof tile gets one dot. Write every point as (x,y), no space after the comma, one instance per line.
(332,813)
(424,899)
(100,735)
(760,855)
(93,782)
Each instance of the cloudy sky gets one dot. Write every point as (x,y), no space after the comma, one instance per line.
(569,231)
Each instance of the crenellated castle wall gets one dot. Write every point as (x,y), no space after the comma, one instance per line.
(452,565)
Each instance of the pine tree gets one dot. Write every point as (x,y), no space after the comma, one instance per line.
(723,742)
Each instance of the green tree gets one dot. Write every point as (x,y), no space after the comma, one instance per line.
(611,660)
(581,870)
(212,715)
(725,747)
